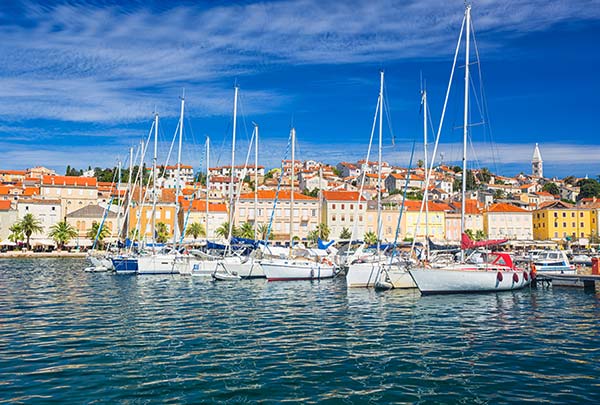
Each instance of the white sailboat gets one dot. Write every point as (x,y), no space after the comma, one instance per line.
(378,269)
(295,266)
(497,274)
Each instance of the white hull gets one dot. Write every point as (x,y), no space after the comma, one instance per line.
(200,268)
(365,275)
(446,281)
(283,270)
(160,264)
(101,262)
(555,270)
(251,268)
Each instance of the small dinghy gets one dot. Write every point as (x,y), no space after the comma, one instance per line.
(96,269)
(225,276)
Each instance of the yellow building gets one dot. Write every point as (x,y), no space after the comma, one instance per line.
(165,213)
(558,220)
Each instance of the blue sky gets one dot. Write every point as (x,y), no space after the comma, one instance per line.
(79,80)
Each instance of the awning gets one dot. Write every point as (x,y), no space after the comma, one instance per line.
(7,243)
(42,242)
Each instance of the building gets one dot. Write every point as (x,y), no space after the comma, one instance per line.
(73,192)
(502,220)
(344,209)
(141,218)
(473,219)
(305,212)
(12,176)
(537,164)
(84,218)
(559,220)
(238,171)
(195,212)
(47,211)
(186,175)
(397,182)
(8,216)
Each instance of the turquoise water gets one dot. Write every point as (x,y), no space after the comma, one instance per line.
(73,337)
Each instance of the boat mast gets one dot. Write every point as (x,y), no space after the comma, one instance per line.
(426,165)
(292,190)
(379,165)
(465,128)
(178,184)
(129,189)
(154,179)
(231,183)
(255,181)
(120,203)
(140,177)
(320,199)
(207,180)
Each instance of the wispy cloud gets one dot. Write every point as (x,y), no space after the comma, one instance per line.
(89,63)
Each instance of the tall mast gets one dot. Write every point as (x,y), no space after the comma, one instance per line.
(293,173)
(255,181)
(140,176)
(320,199)
(178,179)
(120,203)
(154,179)
(231,181)
(207,180)
(379,164)
(465,128)
(129,189)
(426,165)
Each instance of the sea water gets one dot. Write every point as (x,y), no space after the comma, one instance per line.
(68,336)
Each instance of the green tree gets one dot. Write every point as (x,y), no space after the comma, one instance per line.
(313,193)
(134,235)
(93,232)
(480,235)
(223,230)
(16,233)
(499,194)
(162,233)
(323,231)
(61,233)
(588,188)
(262,232)
(370,238)
(471,184)
(420,163)
(551,188)
(246,230)
(484,175)
(345,234)
(337,172)
(30,225)
(195,229)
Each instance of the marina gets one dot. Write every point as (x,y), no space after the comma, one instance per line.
(187,340)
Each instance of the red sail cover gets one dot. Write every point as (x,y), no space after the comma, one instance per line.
(468,243)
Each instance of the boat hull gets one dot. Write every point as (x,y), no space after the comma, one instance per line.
(453,281)
(366,275)
(251,268)
(125,265)
(159,264)
(288,270)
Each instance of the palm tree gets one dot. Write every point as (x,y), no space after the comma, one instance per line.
(62,233)
(16,233)
(262,232)
(162,233)
(323,231)
(93,233)
(223,230)
(30,225)
(195,229)
(345,234)
(247,230)
(370,238)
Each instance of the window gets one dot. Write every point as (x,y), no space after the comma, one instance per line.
(581,224)
(556,234)
(564,214)
(53,208)
(351,206)
(564,224)
(168,215)
(332,206)
(581,214)
(314,212)
(360,206)
(80,192)
(572,215)
(556,215)
(69,191)
(333,217)
(573,224)
(343,207)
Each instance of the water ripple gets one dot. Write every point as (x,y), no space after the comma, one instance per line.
(71,336)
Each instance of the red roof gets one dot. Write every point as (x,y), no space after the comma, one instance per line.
(4,205)
(29,191)
(414,205)
(200,205)
(505,207)
(341,196)
(14,172)
(270,195)
(69,181)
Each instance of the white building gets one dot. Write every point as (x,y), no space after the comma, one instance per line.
(537,164)
(48,212)
(339,211)
(186,175)
(504,220)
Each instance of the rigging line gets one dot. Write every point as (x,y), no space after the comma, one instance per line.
(221,149)
(172,144)
(387,114)
(287,149)
(241,108)
(495,151)
(412,154)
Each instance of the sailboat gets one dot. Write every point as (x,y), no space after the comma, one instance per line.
(298,264)
(498,273)
(378,268)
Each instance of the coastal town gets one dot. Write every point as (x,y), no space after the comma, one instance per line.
(527,209)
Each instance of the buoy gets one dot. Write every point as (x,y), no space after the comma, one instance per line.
(525,276)
(516,278)
(499,276)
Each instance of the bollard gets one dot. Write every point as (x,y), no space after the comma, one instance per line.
(595,266)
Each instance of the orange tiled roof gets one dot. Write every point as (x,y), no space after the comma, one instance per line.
(415,205)
(505,207)
(341,196)
(200,206)
(4,205)
(14,172)
(69,181)
(29,191)
(283,195)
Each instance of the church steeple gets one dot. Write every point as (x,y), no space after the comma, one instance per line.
(537,164)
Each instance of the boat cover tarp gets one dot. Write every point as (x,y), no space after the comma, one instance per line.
(468,243)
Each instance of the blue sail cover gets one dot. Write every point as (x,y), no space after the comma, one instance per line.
(323,245)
